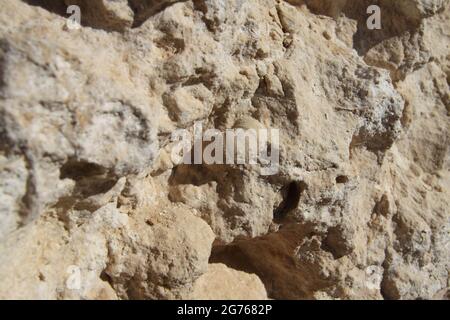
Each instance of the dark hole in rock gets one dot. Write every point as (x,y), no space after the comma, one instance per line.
(336,243)
(77,170)
(90,187)
(105,277)
(382,206)
(291,198)
(91,178)
(342,179)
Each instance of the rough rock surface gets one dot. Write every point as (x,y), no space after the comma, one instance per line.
(358,210)
(223,283)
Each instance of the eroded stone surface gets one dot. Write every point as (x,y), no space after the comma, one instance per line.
(223,283)
(358,209)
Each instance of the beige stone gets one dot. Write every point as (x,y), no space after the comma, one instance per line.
(89,191)
(223,283)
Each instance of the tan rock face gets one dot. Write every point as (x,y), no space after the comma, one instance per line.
(223,283)
(92,206)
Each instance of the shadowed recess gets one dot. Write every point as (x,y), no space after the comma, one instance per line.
(98,14)
(291,198)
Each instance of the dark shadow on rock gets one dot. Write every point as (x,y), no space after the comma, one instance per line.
(55,6)
(273,259)
(94,14)
(144,9)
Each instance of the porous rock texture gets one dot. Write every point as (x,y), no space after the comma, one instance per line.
(358,210)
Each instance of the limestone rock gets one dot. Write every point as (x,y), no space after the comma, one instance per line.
(92,206)
(223,283)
